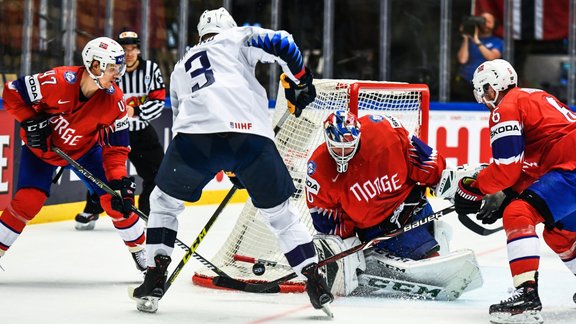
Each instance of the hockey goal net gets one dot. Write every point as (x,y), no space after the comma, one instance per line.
(296,140)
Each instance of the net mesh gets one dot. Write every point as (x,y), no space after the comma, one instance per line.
(296,140)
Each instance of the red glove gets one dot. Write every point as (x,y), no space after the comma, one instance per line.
(121,204)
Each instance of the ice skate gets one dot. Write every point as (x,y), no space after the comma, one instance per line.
(523,307)
(317,289)
(139,256)
(152,289)
(85,221)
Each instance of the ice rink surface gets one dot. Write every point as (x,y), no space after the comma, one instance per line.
(54,274)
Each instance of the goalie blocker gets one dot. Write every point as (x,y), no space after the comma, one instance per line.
(376,272)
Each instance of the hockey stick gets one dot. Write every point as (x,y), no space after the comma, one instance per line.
(260,264)
(102,185)
(253,287)
(475,227)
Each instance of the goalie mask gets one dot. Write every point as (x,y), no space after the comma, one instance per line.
(214,22)
(107,52)
(499,74)
(342,135)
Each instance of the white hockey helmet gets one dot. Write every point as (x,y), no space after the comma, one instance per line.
(215,21)
(342,135)
(106,51)
(499,74)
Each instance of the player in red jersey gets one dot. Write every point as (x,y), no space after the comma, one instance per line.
(369,179)
(533,136)
(80,110)
(373,184)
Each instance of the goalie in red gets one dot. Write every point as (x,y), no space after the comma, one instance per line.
(80,110)
(533,136)
(370,179)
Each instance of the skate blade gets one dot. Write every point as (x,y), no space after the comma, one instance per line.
(85,226)
(326,309)
(146,304)
(528,317)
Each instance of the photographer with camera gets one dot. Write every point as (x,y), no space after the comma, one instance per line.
(478,45)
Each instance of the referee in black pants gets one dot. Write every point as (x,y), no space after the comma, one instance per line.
(144,93)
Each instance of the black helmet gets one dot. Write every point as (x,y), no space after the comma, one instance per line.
(128,38)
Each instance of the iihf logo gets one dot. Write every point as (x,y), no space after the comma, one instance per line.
(240,125)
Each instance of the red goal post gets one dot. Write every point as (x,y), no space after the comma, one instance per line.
(296,140)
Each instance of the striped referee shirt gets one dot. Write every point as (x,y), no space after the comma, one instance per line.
(145,91)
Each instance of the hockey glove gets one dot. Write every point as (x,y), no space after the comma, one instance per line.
(467,199)
(494,205)
(299,95)
(235,181)
(120,205)
(38,132)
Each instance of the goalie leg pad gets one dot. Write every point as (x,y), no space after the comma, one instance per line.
(457,270)
(443,234)
(341,275)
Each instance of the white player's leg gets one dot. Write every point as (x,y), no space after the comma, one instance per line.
(270,187)
(162,229)
(296,244)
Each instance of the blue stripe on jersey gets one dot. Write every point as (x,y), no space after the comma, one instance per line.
(423,151)
(280,44)
(508,147)
(120,138)
(20,85)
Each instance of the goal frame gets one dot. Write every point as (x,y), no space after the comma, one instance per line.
(354,88)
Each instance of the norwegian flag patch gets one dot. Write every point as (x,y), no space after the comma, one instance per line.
(103,45)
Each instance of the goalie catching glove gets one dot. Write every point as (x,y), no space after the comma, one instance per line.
(120,205)
(298,96)
(468,199)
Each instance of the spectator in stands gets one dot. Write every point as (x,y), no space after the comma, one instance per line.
(144,93)
(476,48)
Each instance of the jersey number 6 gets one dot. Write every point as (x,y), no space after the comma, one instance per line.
(198,65)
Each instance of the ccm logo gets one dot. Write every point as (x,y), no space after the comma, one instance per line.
(41,125)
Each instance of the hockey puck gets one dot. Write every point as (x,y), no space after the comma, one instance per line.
(258,269)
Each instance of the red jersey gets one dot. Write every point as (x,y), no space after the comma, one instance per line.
(531,133)
(76,122)
(387,166)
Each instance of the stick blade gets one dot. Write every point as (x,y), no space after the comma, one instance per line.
(232,283)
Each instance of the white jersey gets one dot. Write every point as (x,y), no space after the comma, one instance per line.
(214,89)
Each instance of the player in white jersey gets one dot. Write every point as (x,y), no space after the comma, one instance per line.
(221,122)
